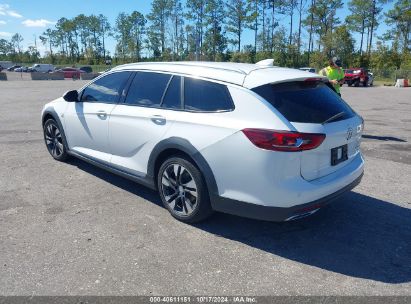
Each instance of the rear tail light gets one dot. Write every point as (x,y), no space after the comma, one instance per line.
(314,79)
(283,140)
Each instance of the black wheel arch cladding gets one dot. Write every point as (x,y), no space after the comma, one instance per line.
(183,145)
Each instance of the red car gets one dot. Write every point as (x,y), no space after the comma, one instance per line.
(71,72)
(356,76)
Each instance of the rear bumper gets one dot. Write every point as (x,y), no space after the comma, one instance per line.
(277,214)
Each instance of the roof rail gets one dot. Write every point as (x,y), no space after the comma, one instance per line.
(191,63)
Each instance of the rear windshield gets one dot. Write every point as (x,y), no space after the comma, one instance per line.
(306,102)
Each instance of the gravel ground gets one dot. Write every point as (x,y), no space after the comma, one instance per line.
(73,229)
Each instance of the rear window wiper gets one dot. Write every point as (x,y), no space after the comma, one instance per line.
(334,117)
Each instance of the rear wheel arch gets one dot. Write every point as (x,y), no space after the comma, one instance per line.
(177,146)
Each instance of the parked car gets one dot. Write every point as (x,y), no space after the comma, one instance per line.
(311,70)
(356,76)
(21,69)
(12,68)
(71,72)
(42,67)
(261,142)
(86,69)
(6,64)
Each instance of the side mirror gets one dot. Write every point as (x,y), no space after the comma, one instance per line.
(71,96)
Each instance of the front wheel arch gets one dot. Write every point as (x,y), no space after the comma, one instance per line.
(51,114)
(54,139)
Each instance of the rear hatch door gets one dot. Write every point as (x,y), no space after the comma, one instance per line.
(341,145)
(313,107)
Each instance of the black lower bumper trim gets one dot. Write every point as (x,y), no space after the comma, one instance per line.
(276,214)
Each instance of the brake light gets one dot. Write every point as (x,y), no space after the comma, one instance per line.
(314,79)
(283,140)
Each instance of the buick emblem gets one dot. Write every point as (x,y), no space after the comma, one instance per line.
(349,133)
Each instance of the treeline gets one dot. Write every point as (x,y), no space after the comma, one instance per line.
(214,30)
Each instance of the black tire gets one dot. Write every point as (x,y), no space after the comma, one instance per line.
(187,202)
(349,83)
(365,83)
(54,140)
(357,83)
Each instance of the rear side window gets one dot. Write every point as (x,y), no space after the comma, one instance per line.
(147,89)
(105,89)
(172,98)
(306,102)
(206,96)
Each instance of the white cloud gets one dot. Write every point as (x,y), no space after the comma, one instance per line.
(14,14)
(2,22)
(6,11)
(37,23)
(5,34)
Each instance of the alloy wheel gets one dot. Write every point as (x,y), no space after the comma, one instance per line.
(54,140)
(179,190)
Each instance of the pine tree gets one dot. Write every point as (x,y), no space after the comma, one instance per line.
(159,16)
(196,13)
(177,20)
(215,41)
(238,18)
(137,27)
(400,18)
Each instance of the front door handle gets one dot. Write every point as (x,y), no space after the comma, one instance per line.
(158,119)
(102,114)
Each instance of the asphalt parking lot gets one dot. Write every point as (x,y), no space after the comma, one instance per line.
(73,229)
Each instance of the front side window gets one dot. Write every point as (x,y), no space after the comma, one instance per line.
(206,96)
(106,89)
(147,89)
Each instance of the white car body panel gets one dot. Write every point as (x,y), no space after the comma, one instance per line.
(278,181)
(87,128)
(145,128)
(260,77)
(316,163)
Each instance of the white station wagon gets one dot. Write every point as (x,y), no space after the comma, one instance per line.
(252,140)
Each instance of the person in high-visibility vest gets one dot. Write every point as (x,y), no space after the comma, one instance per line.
(334,73)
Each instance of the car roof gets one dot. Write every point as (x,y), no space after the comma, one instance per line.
(243,74)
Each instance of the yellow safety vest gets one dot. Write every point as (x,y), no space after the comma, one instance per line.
(333,74)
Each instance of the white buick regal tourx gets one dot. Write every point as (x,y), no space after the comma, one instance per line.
(247,139)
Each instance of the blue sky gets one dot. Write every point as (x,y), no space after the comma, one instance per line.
(31,17)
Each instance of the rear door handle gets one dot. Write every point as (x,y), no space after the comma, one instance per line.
(102,114)
(158,119)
